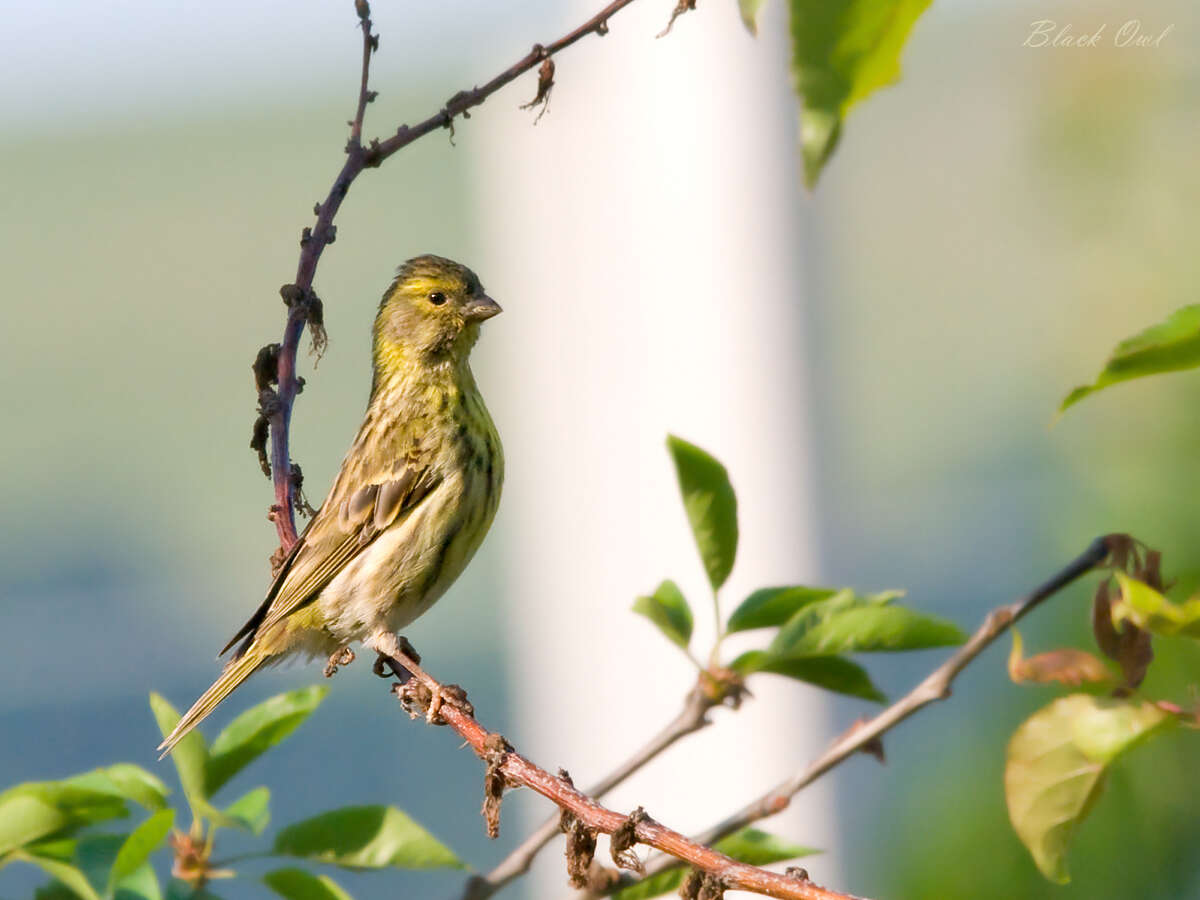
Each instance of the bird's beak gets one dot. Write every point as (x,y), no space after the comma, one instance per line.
(480,308)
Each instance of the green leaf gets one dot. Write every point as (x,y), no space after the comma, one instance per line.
(24,819)
(137,848)
(1147,608)
(759,848)
(749,10)
(772,606)
(37,809)
(140,885)
(748,845)
(128,781)
(97,854)
(257,730)
(1056,765)
(365,837)
(833,673)
(842,51)
(711,507)
(297,884)
(250,812)
(862,629)
(190,754)
(65,874)
(62,849)
(668,609)
(54,890)
(1170,346)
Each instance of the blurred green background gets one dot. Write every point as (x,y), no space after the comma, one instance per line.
(985,233)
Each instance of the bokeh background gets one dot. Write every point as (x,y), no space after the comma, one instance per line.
(878,362)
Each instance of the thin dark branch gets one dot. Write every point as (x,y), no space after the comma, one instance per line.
(588,815)
(303,305)
(936,686)
(464,101)
(365,96)
(692,718)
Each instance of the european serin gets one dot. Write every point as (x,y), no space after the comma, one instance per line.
(413,500)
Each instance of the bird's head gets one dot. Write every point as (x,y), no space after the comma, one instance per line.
(430,313)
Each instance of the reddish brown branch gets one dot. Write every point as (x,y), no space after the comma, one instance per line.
(935,686)
(303,305)
(692,718)
(518,771)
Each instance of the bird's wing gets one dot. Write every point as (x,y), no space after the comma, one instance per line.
(347,523)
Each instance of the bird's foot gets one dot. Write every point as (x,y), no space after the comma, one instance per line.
(387,666)
(417,700)
(342,657)
(392,650)
(395,657)
(450,695)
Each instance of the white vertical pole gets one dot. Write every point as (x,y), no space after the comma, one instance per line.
(644,239)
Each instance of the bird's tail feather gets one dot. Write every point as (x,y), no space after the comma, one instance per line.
(237,671)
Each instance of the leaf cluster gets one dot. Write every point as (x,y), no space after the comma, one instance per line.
(810,632)
(1059,759)
(75,831)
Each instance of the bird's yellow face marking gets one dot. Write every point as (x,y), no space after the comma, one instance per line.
(431,310)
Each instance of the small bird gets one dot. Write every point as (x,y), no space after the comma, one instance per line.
(412,502)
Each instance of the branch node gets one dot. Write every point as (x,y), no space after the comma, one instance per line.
(722,686)
(692,882)
(314,312)
(280,554)
(268,402)
(495,751)
(413,695)
(565,818)
(298,499)
(624,839)
(711,888)
(681,7)
(305,236)
(601,28)
(374,43)
(581,849)
(266,366)
(544,87)
(797,872)
(371,95)
(291,294)
(448,122)
(258,442)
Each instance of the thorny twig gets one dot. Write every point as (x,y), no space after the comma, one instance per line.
(935,686)
(586,816)
(692,718)
(304,306)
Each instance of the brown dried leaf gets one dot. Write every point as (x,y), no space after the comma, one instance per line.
(1135,653)
(1121,547)
(1067,666)
(1107,638)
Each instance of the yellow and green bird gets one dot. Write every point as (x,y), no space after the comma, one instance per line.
(415,496)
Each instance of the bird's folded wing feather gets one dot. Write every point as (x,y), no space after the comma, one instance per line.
(347,523)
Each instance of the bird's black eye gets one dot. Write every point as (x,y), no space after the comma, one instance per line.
(437,298)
